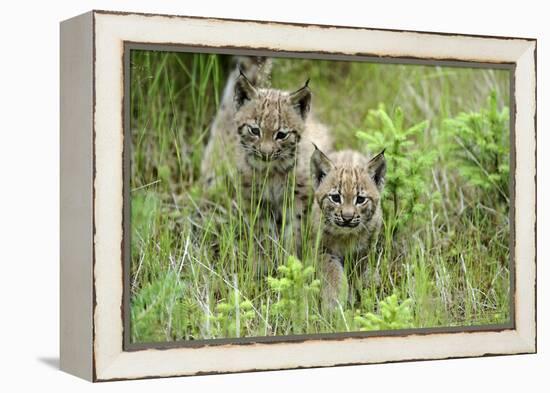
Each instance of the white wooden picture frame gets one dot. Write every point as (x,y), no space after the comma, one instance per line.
(92,195)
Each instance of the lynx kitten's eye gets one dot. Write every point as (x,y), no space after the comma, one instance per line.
(281,135)
(335,198)
(254,130)
(359,200)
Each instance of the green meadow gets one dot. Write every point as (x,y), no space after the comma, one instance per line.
(204,266)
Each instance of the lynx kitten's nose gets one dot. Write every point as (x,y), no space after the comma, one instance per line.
(347,215)
(266,148)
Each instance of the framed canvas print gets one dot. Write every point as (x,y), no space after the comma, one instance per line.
(245,195)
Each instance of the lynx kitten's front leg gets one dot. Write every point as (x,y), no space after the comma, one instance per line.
(335,287)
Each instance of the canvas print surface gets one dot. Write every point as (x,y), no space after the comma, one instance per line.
(281,196)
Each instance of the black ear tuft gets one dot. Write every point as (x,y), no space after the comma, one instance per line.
(301,100)
(377,169)
(244,90)
(320,165)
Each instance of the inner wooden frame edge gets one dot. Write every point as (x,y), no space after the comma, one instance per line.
(128,46)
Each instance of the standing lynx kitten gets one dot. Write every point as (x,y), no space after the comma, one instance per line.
(347,211)
(266,136)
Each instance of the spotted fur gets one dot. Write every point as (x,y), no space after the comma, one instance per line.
(347,211)
(267,134)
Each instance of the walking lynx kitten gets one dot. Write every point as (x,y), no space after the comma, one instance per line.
(266,136)
(347,211)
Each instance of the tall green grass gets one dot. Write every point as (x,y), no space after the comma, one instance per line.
(205,265)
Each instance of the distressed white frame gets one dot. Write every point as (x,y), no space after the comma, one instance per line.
(109,360)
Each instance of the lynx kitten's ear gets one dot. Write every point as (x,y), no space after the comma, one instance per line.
(301,100)
(244,90)
(377,170)
(319,165)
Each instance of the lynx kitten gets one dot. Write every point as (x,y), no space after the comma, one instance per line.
(347,211)
(266,136)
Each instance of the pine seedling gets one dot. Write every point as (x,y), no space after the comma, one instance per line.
(409,167)
(392,315)
(294,287)
(232,315)
(478,144)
